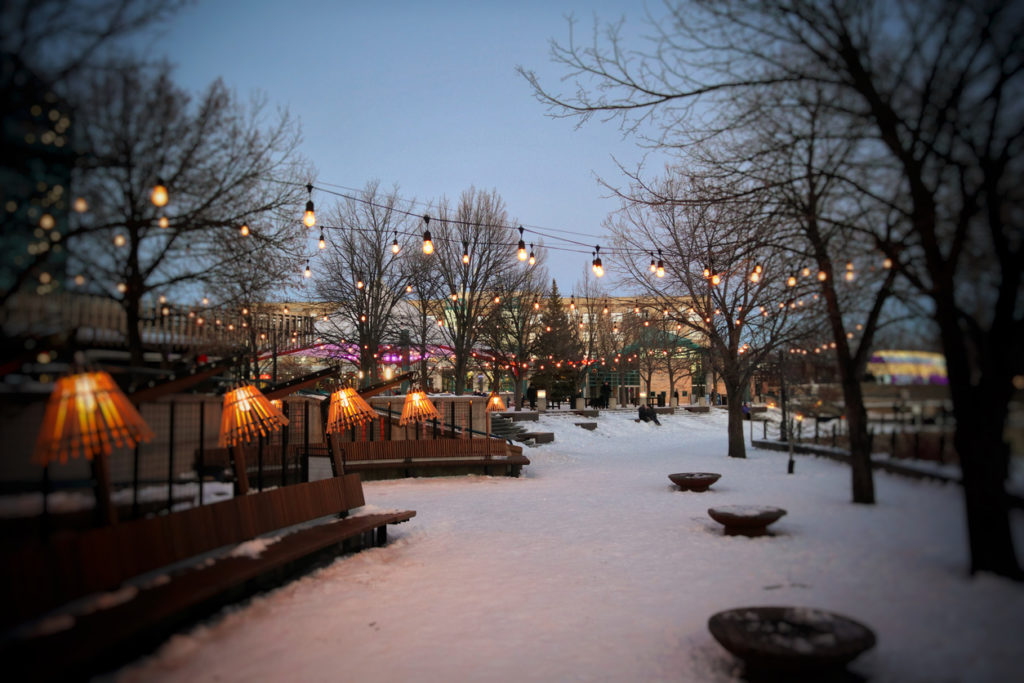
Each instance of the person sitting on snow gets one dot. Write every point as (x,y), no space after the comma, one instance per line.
(647,414)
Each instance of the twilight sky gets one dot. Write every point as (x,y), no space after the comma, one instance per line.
(422,95)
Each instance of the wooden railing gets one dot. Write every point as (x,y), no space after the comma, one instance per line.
(102,321)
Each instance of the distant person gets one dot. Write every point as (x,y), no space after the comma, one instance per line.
(648,414)
(606,392)
(746,410)
(531,396)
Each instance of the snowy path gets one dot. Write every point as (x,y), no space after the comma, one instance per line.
(593,568)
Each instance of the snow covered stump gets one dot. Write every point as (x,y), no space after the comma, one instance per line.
(694,481)
(745,520)
(796,643)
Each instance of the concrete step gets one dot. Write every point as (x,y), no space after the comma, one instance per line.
(536,437)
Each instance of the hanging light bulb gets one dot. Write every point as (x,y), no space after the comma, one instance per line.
(572,302)
(159,195)
(497,299)
(163,222)
(660,272)
(822,276)
(428,245)
(598,268)
(119,240)
(244,230)
(536,305)
(465,252)
(533,259)
(522,246)
(321,243)
(707,272)
(80,205)
(359,281)
(791,281)
(654,266)
(394,245)
(806,272)
(716,278)
(408,289)
(307,273)
(887,263)
(309,217)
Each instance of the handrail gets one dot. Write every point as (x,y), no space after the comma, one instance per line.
(453,427)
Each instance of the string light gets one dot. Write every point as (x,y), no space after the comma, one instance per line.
(465,252)
(428,244)
(394,245)
(359,281)
(791,281)
(715,279)
(806,271)
(660,272)
(822,276)
(887,263)
(244,230)
(307,273)
(80,205)
(533,259)
(322,243)
(522,246)
(159,195)
(309,217)
(163,222)
(597,266)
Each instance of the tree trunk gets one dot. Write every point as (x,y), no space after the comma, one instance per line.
(135,350)
(984,458)
(737,446)
(460,374)
(862,478)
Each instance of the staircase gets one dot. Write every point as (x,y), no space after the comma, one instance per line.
(507,429)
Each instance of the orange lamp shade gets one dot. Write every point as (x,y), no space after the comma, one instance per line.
(417,408)
(248,414)
(86,415)
(494,402)
(348,409)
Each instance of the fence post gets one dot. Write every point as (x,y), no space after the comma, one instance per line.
(259,463)
(305,443)
(284,446)
(202,447)
(170,461)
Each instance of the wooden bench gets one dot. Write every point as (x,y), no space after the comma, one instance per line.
(186,545)
(411,458)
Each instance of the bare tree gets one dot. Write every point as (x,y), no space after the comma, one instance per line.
(474,247)
(511,330)
(721,277)
(364,274)
(215,156)
(47,48)
(939,87)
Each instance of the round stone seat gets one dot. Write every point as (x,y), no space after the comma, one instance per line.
(797,642)
(745,520)
(694,481)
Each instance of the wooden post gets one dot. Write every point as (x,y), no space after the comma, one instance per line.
(241,476)
(170,460)
(202,450)
(106,513)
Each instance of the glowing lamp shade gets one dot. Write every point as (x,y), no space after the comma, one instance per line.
(348,409)
(86,415)
(248,414)
(159,195)
(494,402)
(417,408)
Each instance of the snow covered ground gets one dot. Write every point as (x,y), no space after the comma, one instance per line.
(593,567)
